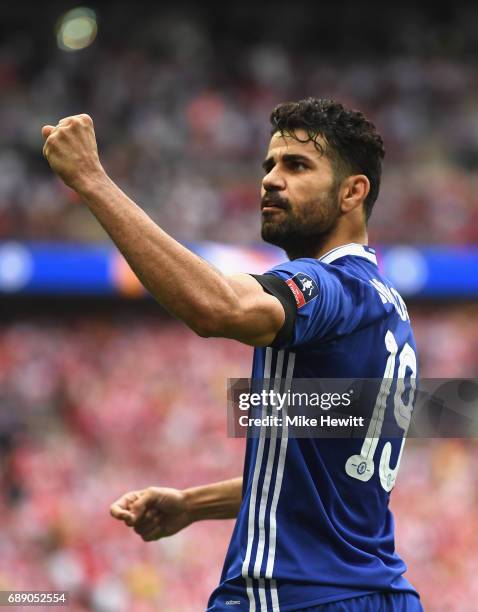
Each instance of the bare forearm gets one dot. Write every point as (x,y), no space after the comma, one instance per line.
(182,282)
(220,500)
(207,301)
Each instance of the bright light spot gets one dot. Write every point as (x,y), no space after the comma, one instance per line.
(16,266)
(407,269)
(76,29)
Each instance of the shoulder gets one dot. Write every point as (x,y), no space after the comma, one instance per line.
(319,275)
(304,277)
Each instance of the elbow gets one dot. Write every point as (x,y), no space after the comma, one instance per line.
(215,324)
(203,329)
(204,333)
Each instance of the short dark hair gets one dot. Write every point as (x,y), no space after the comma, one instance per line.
(352,142)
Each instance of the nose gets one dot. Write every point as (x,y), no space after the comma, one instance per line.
(273,180)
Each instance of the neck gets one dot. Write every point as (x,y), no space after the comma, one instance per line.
(332,242)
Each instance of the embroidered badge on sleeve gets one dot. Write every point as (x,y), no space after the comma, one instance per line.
(303,287)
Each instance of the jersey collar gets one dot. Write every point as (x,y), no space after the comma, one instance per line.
(357,250)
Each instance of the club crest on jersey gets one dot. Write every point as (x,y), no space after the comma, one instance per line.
(303,287)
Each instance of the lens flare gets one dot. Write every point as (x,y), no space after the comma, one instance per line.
(76,29)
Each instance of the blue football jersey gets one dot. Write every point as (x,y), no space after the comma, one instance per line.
(314,525)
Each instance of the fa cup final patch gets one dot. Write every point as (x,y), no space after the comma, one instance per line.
(303,287)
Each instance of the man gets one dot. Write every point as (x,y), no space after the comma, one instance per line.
(313,528)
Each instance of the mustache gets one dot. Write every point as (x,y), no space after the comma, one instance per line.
(274,199)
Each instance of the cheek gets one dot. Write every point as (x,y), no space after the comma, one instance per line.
(305,187)
(304,191)
(313,203)
(314,190)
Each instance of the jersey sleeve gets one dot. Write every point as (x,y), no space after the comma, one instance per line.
(320,303)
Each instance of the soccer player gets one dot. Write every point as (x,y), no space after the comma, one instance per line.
(313,529)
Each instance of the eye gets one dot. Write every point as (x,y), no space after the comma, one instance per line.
(297,165)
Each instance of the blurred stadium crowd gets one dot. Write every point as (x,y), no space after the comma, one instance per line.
(92,406)
(182,122)
(80,426)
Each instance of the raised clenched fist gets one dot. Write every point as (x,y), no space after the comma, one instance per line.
(71,150)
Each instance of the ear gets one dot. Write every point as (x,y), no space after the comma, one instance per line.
(354,191)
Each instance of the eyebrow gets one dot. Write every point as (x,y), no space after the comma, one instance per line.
(287,157)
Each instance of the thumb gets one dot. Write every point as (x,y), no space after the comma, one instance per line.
(119,513)
(139,507)
(47,130)
(124,515)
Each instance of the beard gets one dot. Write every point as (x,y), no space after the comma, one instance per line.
(303,231)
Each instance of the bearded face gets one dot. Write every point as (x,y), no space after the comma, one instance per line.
(299,204)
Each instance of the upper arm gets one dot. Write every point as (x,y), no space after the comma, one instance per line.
(293,304)
(259,317)
(329,301)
